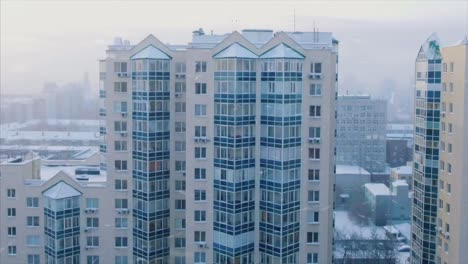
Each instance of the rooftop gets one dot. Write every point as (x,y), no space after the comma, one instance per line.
(61,190)
(349,169)
(403,170)
(377,189)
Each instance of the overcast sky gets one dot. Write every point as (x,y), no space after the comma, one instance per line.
(60,40)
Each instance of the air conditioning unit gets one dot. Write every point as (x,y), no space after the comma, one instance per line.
(123,133)
(314,140)
(315,76)
(119,74)
(123,211)
(197,139)
(447,235)
(124,74)
(183,174)
(87,229)
(90,210)
(180,75)
(202,244)
(177,94)
(124,114)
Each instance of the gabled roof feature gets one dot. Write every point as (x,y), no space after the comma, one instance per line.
(61,190)
(282,51)
(430,49)
(236,50)
(151,52)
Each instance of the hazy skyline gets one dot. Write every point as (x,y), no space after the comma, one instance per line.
(59,41)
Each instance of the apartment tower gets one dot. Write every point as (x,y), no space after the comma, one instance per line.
(426,152)
(229,142)
(452,228)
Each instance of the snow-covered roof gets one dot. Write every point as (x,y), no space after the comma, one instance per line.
(377,188)
(235,51)
(61,190)
(349,169)
(399,183)
(403,170)
(431,48)
(151,52)
(312,39)
(282,51)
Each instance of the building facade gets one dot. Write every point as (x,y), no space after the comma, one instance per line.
(452,216)
(426,152)
(361,127)
(229,143)
(61,213)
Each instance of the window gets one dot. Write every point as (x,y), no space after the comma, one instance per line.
(451,107)
(121,242)
(316,67)
(120,126)
(200,258)
(120,67)
(32,221)
(92,203)
(450,128)
(314,153)
(449,167)
(200,66)
(315,89)
(200,153)
(179,126)
(451,87)
(180,87)
(200,88)
(11,212)
(120,145)
(314,133)
(312,217)
(179,260)
(92,241)
(312,258)
(200,195)
(179,242)
(444,87)
(33,241)
(179,146)
(11,193)
(200,110)
(314,196)
(447,208)
(34,259)
(92,222)
(32,202)
(200,174)
(120,87)
(452,66)
(180,107)
(11,250)
(180,165)
(200,131)
(180,185)
(120,185)
(120,107)
(314,175)
(312,237)
(441,204)
(444,67)
(315,111)
(121,203)
(121,259)
(120,165)
(92,260)
(449,188)
(450,148)
(200,236)
(11,231)
(180,223)
(180,204)
(200,216)
(121,223)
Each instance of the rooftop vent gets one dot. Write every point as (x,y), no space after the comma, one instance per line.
(198,32)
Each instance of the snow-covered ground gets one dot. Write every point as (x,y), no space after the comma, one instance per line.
(345,225)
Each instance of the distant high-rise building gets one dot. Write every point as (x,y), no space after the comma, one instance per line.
(426,152)
(229,141)
(452,216)
(361,132)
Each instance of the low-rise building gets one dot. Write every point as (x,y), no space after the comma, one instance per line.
(348,184)
(404,173)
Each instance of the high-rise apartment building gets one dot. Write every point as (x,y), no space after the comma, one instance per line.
(361,132)
(229,145)
(452,216)
(426,152)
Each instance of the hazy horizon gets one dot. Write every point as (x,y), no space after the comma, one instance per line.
(57,42)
